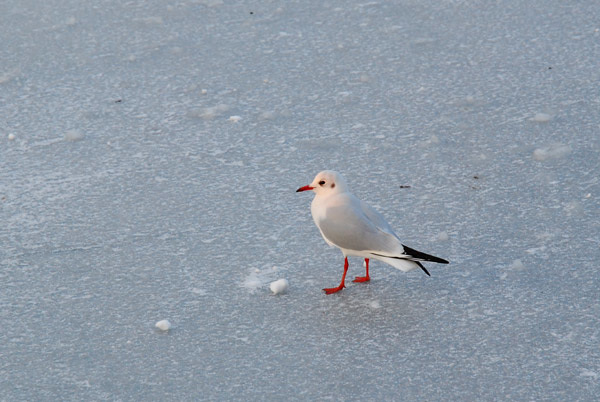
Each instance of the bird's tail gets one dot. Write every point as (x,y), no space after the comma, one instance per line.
(419,256)
(402,264)
(409,260)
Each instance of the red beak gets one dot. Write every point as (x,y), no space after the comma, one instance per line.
(305,188)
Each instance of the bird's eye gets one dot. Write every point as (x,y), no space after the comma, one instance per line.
(321,182)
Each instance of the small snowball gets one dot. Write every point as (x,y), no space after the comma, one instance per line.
(163,325)
(235,119)
(442,236)
(554,151)
(73,135)
(204,91)
(279,286)
(11,137)
(541,117)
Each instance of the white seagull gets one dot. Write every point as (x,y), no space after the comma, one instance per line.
(357,229)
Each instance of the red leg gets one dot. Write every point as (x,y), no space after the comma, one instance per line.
(365,278)
(333,290)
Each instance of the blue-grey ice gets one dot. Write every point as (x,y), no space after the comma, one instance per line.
(166,208)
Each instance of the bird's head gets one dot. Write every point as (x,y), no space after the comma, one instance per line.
(327,182)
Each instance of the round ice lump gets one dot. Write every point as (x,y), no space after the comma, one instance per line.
(163,325)
(279,286)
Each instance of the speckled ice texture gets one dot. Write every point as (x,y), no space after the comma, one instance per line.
(167,206)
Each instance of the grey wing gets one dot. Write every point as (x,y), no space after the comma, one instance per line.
(347,226)
(376,218)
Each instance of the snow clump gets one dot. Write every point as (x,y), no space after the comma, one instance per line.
(279,286)
(163,325)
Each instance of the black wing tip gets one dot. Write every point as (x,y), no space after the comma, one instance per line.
(423,256)
(423,268)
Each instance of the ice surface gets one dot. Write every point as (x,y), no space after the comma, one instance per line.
(253,282)
(167,209)
(442,236)
(73,135)
(542,117)
(374,304)
(553,151)
(517,265)
(211,112)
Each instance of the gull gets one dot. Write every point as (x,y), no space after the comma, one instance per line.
(357,229)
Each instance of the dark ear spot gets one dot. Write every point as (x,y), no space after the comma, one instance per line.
(332,185)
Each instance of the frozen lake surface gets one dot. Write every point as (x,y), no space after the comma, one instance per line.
(149,157)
